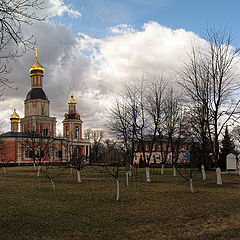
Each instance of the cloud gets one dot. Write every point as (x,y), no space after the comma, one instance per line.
(94,68)
(58,8)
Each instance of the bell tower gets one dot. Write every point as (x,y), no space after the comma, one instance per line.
(72,123)
(36,111)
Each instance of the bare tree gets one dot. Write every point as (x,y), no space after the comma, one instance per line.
(136,116)
(95,136)
(75,158)
(195,128)
(114,172)
(40,149)
(208,80)
(172,126)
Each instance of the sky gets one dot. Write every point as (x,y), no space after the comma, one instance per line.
(93,46)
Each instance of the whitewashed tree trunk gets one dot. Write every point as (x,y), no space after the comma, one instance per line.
(117,199)
(71,170)
(4,170)
(162,169)
(191,185)
(39,169)
(174,171)
(34,166)
(219,176)
(127,178)
(130,170)
(53,186)
(204,177)
(148,175)
(78,176)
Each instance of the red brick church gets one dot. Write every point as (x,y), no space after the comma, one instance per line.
(37,135)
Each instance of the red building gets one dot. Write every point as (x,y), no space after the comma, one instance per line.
(37,136)
(162,150)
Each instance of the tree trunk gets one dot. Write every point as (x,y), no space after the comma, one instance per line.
(53,186)
(191,185)
(34,166)
(148,175)
(78,176)
(117,199)
(204,177)
(238,163)
(162,169)
(219,177)
(174,171)
(39,169)
(130,170)
(127,178)
(4,170)
(71,170)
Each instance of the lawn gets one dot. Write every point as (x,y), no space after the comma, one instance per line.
(163,209)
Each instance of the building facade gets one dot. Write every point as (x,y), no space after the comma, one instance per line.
(162,150)
(36,139)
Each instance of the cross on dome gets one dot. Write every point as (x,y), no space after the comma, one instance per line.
(36,52)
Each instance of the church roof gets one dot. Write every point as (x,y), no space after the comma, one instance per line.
(14,117)
(14,134)
(36,68)
(71,99)
(36,93)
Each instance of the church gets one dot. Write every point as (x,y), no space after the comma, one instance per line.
(35,139)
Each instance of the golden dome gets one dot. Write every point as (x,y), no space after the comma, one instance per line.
(14,117)
(36,68)
(71,99)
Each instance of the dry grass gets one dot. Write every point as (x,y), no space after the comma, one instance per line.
(164,209)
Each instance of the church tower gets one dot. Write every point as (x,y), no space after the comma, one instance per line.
(14,121)
(72,123)
(36,111)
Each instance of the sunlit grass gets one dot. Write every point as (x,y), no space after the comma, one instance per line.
(163,209)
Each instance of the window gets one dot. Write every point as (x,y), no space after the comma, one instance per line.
(86,150)
(66,131)
(164,147)
(27,153)
(45,131)
(42,153)
(42,110)
(77,132)
(58,154)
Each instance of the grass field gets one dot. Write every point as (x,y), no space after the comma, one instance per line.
(163,209)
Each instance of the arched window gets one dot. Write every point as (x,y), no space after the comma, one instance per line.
(45,131)
(42,110)
(66,131)
(77,132)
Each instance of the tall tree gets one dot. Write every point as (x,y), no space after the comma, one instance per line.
(208,81)
(136,116)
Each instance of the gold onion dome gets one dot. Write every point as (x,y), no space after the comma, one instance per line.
(71,99)
(14,117)
(36,68)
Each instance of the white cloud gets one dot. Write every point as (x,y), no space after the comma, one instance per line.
(58,8)
(95,68)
